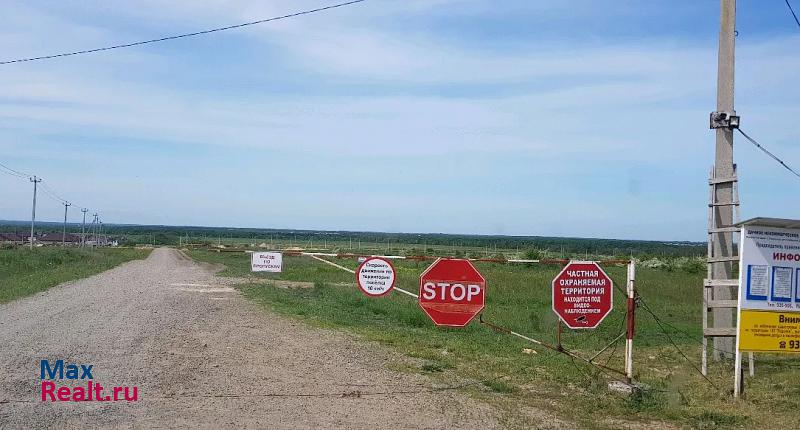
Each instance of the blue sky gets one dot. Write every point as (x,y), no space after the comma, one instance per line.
(567,118)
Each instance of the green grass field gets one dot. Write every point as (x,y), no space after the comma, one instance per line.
(518,297)
(24,272)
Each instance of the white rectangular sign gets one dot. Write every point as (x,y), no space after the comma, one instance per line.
(770,261)
(769,292)
(266,262)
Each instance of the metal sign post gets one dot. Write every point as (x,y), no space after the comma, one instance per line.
(631,320)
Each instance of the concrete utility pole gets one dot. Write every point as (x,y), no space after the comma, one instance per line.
(723,121)
(83,228)
(35,181)
(64,233)
(94,231)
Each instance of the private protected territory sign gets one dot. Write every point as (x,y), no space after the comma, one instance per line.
(769,293)
(266,262)
(583,295)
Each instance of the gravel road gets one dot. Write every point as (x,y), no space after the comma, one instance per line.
(203,356)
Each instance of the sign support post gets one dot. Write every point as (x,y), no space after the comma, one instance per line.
(738,382)
(558,336)
(737,369)
(631,323)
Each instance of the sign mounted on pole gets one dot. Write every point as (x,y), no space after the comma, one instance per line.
(375,276)
(266,262)
(452,292)
(583,295)
(769,296)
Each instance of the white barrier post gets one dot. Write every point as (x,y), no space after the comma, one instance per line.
(631,284)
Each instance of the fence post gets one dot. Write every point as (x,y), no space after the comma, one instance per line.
(631,287)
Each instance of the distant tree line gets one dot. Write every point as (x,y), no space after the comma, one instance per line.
(530,246)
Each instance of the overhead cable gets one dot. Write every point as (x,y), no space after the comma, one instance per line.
(758,145)
(180,36)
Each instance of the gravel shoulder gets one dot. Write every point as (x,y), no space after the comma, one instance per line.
(203,356)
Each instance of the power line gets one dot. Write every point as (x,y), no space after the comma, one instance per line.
(792,11)
(52,193)
(768,153)
(13,172)
(49,191)
(180,36)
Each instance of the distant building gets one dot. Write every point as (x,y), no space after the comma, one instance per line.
(56,238)
(14,238)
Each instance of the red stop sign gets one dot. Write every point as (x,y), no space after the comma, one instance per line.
(451,292)
(582,295)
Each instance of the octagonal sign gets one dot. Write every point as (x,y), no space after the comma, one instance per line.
(583,295)
(452,292)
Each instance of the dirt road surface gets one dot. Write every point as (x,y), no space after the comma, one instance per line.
(203,356)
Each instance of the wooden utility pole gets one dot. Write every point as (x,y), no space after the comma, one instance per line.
(720,288)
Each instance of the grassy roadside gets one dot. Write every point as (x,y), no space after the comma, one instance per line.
(24,272)
(518,297)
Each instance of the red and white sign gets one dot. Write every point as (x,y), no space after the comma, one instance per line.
(452,292)
(582,295)
(375,276)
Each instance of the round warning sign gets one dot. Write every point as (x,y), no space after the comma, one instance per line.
(375,276)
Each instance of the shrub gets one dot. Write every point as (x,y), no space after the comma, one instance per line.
(532,254)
